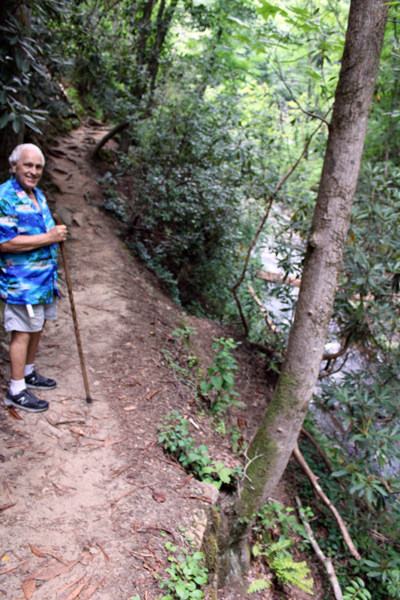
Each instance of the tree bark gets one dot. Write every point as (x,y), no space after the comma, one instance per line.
(281,425)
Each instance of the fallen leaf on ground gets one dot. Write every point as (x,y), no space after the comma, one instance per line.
(5,506)
(88,593)
(107,558)
(75,593)
(149,396)
(159,497)
(14,414)
(28,586)
(37,552)
(111,442)
(67,585)
(54,571)
(12,568)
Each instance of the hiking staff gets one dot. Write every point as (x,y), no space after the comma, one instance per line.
(74,317)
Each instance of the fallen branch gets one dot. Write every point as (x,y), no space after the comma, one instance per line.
(325,561)
(108,136)
(314,482)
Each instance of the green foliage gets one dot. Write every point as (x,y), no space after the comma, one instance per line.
(374,526)
(368,408)
(237,441)
(187,574)
(258,586)
(181,167)
(220,383)
(284,567)
(28,92)
(273,515)
(356,589)
(113,202)
(175,439)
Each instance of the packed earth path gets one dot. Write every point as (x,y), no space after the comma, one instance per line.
(88,499)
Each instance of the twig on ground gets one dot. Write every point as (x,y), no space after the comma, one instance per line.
(107,558)
(173,464)
(138,487)
(171,533)
(325,560)
(313,479)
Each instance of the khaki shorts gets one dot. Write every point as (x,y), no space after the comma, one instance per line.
(16,316)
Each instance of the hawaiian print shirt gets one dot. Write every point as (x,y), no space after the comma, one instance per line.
(29,277)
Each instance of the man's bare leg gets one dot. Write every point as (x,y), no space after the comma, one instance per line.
(20,342)
(22,345)
(32,347)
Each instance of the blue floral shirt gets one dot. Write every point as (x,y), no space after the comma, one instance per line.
(29,277)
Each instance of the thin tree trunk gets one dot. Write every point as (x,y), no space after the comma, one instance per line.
(163,24)
(277,436)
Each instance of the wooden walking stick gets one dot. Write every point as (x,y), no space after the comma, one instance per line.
(74,317)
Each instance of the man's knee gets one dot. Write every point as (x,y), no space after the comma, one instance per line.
(20,337)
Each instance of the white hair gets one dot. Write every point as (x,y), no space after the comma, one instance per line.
(16,153)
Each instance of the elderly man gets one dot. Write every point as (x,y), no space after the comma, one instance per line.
(28,273)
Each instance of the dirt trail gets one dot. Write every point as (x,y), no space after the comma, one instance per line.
(80,478)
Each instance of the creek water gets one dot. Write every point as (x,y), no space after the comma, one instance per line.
(326,420)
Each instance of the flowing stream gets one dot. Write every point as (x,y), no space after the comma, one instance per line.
(355,361)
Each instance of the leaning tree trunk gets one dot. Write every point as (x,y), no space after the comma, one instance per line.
(276,437)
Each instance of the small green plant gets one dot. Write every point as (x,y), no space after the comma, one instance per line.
(237,441)
(187,575)
(218,387)
(185,331)
(258,585)
(357,589)
(284,567)
(220,426)
(175,439)
(275,516)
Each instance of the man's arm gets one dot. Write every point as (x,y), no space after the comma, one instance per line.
(24,243)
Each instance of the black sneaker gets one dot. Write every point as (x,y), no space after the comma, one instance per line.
(36,381)
(25,400)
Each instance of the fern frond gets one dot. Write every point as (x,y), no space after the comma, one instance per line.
(278,547)
(291,572)
(258,585)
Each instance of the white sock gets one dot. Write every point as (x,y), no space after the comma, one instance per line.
(17,386)
(28,370)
